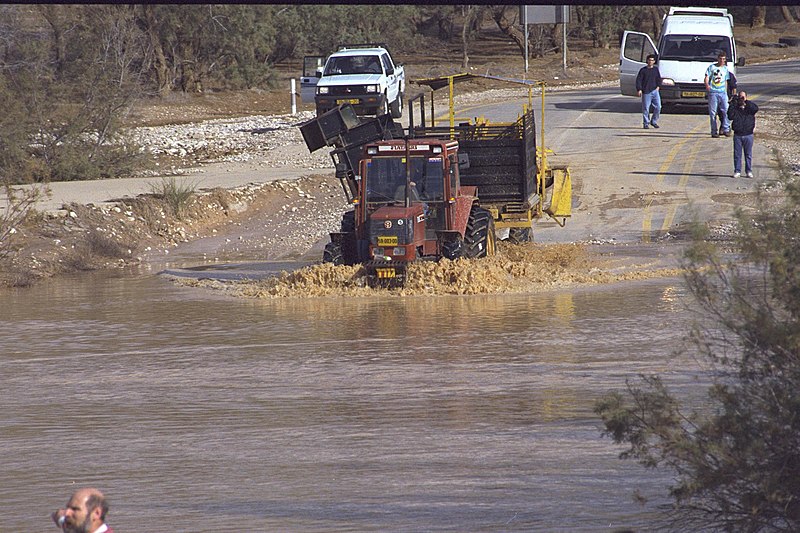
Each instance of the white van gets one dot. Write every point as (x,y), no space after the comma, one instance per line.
(691,39)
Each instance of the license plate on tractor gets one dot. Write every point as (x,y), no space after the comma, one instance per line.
(385,273)
(693,94)
(353,101)
(387,240)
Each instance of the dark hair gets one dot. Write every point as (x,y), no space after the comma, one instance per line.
(94,501)
(651,56)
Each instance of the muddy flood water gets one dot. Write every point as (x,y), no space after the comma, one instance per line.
(194,411)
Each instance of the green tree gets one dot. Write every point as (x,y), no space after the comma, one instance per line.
(735,460)
(68,75)
(605,24)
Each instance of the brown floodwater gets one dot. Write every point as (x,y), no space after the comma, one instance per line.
(195,411)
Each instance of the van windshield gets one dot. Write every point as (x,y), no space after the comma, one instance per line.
(695,47)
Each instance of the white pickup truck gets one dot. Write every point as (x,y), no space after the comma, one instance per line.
(364,76)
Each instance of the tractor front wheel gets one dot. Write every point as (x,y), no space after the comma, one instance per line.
(333,254)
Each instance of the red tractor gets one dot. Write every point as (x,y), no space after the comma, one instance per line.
(410,205)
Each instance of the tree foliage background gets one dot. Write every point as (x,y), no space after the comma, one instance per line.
(736,458)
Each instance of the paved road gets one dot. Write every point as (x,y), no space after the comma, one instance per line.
(633,185)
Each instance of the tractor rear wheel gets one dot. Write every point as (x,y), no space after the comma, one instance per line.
(343,252)
(479,238)
(348,221)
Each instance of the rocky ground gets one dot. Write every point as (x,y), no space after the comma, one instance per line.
(274,220)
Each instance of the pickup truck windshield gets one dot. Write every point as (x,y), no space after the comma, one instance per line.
(366,64)
(695,47)
(386,179)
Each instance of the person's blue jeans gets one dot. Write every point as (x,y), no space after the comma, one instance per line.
(652,98)
(742,143)
(718,101)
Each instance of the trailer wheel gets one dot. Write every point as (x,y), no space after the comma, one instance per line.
(479,237)
(333,254)
(520,235)
(396,107)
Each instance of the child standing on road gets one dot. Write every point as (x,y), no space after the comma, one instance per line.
(648,82)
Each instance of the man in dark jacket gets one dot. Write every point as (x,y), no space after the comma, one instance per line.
(648,82)
(742,114)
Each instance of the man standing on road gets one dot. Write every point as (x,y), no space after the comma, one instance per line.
(716,81)
(85,513)
(648,82)
(742,115)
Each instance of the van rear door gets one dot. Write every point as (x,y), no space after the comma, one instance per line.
(633,53)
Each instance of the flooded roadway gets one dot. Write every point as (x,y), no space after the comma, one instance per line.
(197,412)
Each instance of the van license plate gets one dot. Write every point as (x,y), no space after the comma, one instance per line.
(385,273)
(347,101)
(693,94)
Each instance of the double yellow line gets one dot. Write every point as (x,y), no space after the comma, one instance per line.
(678,148)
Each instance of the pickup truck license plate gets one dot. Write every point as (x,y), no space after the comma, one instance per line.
(693,94)
(387,240)
(347,101)
(385,273)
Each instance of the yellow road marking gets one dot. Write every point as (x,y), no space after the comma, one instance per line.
(647,220)
(684,180)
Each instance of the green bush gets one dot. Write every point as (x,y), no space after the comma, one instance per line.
(736,460)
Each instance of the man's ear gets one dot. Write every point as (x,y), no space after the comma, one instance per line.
(96,513)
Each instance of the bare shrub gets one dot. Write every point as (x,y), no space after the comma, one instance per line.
(176,195)
(19,203)
(103,245)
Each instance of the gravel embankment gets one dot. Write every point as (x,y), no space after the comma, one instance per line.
(273,141)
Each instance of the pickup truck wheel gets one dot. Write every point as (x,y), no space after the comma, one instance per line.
(385,107)
(396,107)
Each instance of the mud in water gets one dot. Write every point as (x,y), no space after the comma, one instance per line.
(515,269)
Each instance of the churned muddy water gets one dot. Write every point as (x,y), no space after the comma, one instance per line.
(198,412)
